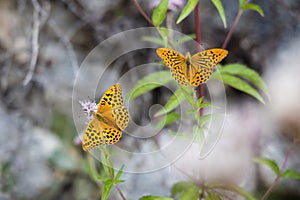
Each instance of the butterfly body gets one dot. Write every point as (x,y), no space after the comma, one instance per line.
(191,70)
(188,59)
(109,120)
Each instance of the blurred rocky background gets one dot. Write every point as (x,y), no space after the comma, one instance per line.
(42,44)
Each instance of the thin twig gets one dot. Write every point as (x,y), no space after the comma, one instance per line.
(120,192)
(198,39)
(143,13)
(236,20)
(197,26)
(34,41)
(282,169)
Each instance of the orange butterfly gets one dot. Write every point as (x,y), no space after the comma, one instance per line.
(108,122)
(191,70)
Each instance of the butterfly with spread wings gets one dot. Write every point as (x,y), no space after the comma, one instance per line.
(191,70)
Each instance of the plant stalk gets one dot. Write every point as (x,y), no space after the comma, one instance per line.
(282,169)
(143,13)
(198,39)
(235,22)
(108,162)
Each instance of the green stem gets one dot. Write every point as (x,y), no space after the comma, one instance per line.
(198,39)
(169,18)
(236,20)
(282,169)
(109,164)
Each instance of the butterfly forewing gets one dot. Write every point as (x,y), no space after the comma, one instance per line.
(105,102)
(105,105)
(202,64)
(176,62)
(208,58)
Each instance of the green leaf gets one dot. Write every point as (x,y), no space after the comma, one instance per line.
(271,163)
(155,198)
(189,7)
(218,4)
(199,106)
(103,178)
(106,189)
(187,94)
(175,100)
(212,196)
(159,12)
(89,167)
(119,173)
(204,104)
(154,40)
(190,194)
(190,111)
(246,73)
(181,187)
(163,31)
(198,134)
(106,162)
(149,82)
(239,84)
(200,101)
(289,173)
(242,3)
(183,39)
(208,117)
(235,189)
(182,135)
(253,6)
(168,119)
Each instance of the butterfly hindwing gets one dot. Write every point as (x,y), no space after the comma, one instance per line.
(176,62)
(121,117)
(199,75)
(119,112)
(92,135)
(98,132)
(110,134)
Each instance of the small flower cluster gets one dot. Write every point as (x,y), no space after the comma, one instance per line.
(89,107)
(173,5)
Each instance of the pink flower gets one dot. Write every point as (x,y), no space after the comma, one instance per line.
(88,108)
(172,6)
(78,139)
